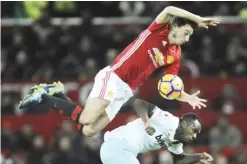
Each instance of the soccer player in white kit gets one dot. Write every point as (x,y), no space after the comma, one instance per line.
(123,144)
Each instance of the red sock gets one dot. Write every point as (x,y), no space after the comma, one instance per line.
(65,107)
(75,116)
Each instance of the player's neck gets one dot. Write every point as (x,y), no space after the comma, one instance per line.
(178,134)
(171,37)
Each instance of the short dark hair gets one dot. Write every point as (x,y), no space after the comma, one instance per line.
(190,117)
(176,21)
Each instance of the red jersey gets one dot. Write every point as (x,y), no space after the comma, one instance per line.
(149,51)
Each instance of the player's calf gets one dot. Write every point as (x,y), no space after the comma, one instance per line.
(92,111)
(65,107)
(93,117)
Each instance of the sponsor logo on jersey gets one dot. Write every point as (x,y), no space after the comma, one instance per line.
(161,141)
(170,59)
(159,57)
(152,58)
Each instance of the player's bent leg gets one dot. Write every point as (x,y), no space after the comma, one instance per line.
(94,108)
(91,129)
(117,151)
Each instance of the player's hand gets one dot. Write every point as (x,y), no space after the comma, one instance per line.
(203,161)
(206,22)
(206,158)
(195,101)
(149,128)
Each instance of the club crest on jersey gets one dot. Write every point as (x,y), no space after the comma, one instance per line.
(170,59)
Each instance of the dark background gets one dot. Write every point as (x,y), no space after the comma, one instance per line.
(42,52)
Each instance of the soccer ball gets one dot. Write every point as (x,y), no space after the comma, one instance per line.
(170,86)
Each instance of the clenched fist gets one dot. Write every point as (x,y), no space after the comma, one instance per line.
(206,158)
(149,128)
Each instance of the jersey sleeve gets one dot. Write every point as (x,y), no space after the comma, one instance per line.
(173,68)
(158,27)
(176,148)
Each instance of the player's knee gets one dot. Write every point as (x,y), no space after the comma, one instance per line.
(89,131)
(93,109)
(86,119)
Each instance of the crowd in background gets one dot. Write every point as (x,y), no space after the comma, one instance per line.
(42,51)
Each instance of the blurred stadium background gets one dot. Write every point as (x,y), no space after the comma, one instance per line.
(70,41)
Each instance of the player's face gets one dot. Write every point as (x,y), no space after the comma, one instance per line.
(180,35)
(190,132)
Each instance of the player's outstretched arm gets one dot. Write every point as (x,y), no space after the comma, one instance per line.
(142,108)
(169,11)
(184,158)
(192,99)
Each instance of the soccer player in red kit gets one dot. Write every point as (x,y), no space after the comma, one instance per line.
(157,46)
